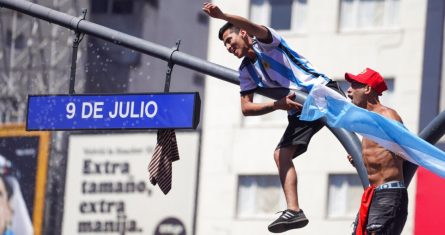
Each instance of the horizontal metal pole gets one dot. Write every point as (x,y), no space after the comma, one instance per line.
(349,140)
(435,129)
(353,146)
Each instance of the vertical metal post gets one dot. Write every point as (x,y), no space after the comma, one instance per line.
(76,42)
(431,133)
(168,75)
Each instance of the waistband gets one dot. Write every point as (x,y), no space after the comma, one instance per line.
(391,184)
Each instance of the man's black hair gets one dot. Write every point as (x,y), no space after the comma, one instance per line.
(225,27)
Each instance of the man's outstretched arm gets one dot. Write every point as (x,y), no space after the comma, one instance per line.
(254,109)
(259,31)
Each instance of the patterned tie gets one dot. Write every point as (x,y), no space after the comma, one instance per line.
(160,167)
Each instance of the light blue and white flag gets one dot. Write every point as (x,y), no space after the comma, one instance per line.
(390,134)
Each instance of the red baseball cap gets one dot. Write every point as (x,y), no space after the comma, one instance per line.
(369,77)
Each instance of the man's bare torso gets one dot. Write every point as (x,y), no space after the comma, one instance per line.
(382,165)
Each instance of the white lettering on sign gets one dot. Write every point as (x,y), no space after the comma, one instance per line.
(128,109)
(71,110)
(155,109)
(87,110)
(92,109)
(98,110)
(122,109)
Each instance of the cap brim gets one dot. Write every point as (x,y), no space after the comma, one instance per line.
(350,77)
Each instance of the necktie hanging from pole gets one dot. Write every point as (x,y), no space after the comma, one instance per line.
(166,150)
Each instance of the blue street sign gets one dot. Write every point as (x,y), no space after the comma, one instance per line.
(124,111)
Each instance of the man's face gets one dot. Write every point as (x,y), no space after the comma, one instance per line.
(5,208)
(235,43)
(357,92)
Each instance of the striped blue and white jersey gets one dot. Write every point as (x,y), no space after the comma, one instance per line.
(278,66)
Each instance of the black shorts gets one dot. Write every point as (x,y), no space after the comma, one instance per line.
(388,211)
(299,133)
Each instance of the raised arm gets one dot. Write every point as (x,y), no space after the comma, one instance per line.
(259,31)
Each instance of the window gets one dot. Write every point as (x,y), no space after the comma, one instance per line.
(369,14)
(279,14)
(259,196)
(19,41)
(99,6)
(117,6)
(344,195)
(122,7)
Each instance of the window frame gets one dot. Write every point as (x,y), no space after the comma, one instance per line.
(328,216)
(265,11)
(281,202)
(111,7)
(357,29)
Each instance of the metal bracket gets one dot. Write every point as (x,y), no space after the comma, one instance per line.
(170,65)
(76,42)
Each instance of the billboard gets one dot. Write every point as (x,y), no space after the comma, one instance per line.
(107,189)
(23,170)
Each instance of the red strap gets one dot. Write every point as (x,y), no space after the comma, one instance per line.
(364,209)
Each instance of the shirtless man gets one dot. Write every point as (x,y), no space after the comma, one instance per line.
(385,202)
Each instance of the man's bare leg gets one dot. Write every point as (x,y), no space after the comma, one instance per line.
(292,217)
(288,175)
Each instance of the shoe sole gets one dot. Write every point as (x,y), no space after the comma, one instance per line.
(284,226)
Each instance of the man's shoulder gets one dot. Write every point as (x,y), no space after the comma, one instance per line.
(268,39)
(244,63)
(389,113)
(273,40)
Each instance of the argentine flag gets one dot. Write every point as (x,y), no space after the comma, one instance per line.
(390,134)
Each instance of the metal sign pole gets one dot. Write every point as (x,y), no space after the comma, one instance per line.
(76,42)
(168,75)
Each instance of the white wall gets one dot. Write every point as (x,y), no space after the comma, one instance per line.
(230,148)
